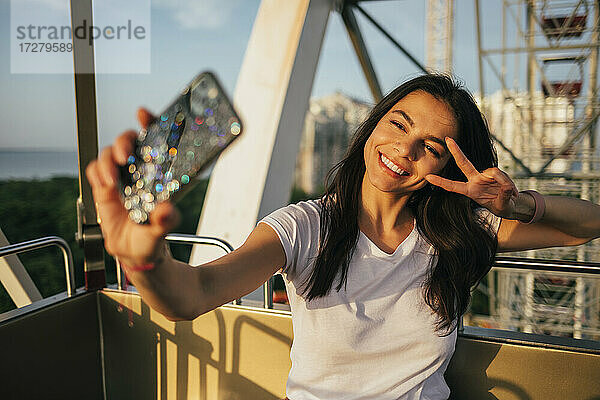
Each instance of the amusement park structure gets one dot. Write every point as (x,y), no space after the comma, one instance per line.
(544,122)
(103,342)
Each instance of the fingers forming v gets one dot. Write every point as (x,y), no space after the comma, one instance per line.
(447,184)
(500,177)
(461,160)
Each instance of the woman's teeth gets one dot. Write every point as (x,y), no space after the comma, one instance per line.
(388,163)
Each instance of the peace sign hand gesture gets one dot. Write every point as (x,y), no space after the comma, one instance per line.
(492,188)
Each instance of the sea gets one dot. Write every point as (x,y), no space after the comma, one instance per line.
(27,165)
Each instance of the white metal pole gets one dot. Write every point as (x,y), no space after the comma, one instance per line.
(255,175)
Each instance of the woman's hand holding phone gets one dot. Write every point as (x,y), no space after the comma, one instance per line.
(135,181)
(132,243)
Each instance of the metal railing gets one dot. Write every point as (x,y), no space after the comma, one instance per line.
(44,242)
(193,239)
(210,241)
(548,265)
(541,265)
(501,262)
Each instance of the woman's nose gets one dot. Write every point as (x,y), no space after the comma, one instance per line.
(406,148)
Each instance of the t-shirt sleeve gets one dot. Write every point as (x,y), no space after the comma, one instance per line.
(297,227)
(489,220)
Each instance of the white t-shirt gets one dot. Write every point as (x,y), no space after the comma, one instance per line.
(376,339)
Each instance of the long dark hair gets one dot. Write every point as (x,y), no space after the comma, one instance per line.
(465,248)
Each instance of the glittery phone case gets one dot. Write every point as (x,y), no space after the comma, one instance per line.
(177,145)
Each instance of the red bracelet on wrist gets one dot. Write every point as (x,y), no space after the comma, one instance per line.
(540,206)
(144,267)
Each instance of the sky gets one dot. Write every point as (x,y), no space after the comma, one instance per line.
(188,37)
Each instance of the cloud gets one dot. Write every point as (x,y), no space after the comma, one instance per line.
(205,14)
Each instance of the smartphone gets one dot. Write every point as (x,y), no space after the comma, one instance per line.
(176,146)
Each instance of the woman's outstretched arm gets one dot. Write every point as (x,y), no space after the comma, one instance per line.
(566,221)
(171,287)
(182,292)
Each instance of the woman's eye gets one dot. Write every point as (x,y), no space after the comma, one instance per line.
(398,125)
(432,150)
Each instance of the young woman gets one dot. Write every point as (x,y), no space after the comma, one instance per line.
(380,268)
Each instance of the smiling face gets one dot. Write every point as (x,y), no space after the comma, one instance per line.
(408,143)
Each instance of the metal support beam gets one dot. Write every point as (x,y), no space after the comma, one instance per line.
(361,52)
(570,176)
(479,54)
(15,279)
(512,155)
(43,242)
(391,39)
(539,49)
(531,71)
(592,95)
(255,175)
(439,33)
(88,232)
(582,130)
